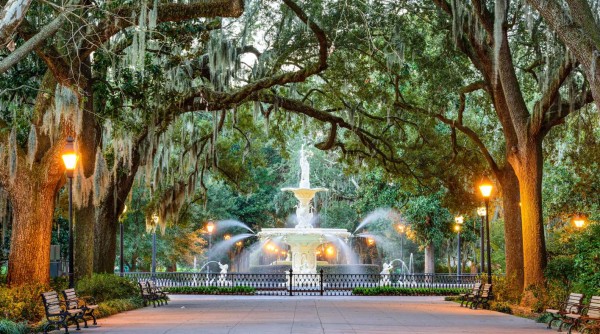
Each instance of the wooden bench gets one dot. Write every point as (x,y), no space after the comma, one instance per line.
(570,306)
(161,296)
(147,295)
(483,298)
(466,298)
(57,315)
(588,320)
(86,304)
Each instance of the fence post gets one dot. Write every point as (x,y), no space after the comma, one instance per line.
(291,280)
(321,273)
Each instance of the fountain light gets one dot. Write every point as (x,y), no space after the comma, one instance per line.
(330,251)
(239,243)
(370,241)
(579,220)
(227,236)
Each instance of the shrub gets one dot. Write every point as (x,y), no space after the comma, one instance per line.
(105,287)
(503,307)
(22,303)
(211,290)
(115,306)
(10,327)
(329,269)
(393,291)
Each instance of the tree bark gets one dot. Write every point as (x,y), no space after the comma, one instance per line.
(105,238)
(429,258)
(32,197)
(529,173)
(83,222)
(513,233)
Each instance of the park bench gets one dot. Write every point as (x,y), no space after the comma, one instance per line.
(161,296)
(86,304)
(147,295)
(58,316)
(483,298)
(570,306)
(466,298)
(589,318)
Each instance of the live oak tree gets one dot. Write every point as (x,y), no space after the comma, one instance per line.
(31,169)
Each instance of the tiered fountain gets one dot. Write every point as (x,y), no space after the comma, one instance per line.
(304,239)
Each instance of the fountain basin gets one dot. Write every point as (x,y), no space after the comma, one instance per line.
(303,244)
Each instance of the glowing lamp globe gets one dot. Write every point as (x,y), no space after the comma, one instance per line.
(227,237)
(69,156)
(459,220)
(579,220)
(486,187)
(481,211)
(210,227)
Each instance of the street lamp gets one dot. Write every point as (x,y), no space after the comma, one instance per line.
(210,227)
(486,190)
(481,213)
(459,220)
(579,220)
(155,221)
(69,157)
(122,230)
(401,229)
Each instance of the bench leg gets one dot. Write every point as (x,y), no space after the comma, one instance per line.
(554,318)
(93,317)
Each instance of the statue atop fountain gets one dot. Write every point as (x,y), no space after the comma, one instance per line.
(304,193)
(304,238)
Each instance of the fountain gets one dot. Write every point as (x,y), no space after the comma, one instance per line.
(304,239)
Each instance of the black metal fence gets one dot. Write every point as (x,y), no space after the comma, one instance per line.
(292,284)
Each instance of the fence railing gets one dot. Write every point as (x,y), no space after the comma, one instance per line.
(289,283)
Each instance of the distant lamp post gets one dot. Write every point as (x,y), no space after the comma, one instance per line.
(402,230)
(155,221)
(579,220)
(69,157)
(210,227)
(481,213)
(121,243)
(459,220)
(486,191)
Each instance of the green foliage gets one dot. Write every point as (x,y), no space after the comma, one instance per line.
(587,261)
(11,327)
(22,303)
(115,306)
(212,290)
(503,307)
(561,268)
(105,287)
(393,291)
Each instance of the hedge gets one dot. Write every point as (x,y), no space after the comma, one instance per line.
(329,269)
(392,291)
(211,290)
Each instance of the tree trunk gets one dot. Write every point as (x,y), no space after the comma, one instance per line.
(513,233)
(33,209)
(429,258)
(105,238)
(530,170)
(83,223)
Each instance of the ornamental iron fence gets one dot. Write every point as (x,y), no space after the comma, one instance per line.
(289,283)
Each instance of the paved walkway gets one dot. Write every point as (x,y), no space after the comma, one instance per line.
(255,314)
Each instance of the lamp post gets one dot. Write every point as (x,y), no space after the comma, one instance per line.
(70,159)
(486,190)
(210,227)
(579,220)
(481,213)
(401,229)
(121,243)
(155,221)
(459,220)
